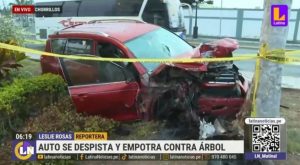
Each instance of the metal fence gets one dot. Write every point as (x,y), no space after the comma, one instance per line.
(236,23)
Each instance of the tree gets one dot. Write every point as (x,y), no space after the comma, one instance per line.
(10,34)
(4,10)
(268,95)
(22,2)
(269,86)
(24,18)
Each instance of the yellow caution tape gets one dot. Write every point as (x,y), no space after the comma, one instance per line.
(294,52)
(256,80)
(283,60)
(279,56)
(94,58)
(262,53)
(272,56)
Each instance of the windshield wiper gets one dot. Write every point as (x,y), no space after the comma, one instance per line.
(168,49)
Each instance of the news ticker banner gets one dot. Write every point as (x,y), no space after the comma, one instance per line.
(95,146)
(127,150)
(265,139)
(31,9)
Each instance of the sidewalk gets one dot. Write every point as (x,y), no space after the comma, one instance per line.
(40,47)
(287,81)
(243,43)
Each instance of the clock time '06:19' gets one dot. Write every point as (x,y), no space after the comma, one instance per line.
(23,136)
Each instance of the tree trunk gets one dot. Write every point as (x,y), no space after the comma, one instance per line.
(268,93)
(269,86)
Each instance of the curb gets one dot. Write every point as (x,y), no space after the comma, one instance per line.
(243,44)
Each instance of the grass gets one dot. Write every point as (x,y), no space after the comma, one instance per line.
(140,130)
(31,66)
(293,140)
(291,99)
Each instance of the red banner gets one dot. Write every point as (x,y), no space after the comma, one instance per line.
(23,9)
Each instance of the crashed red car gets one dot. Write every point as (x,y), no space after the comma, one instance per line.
(129,91)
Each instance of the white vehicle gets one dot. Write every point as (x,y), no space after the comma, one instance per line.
(165,13)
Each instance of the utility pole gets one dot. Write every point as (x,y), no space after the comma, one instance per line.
(4,7)
(221,17)
(269,86)
(195,32)
(268,93)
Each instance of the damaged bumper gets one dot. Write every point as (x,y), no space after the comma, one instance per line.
(196,89)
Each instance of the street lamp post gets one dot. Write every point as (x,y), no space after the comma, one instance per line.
(195,31)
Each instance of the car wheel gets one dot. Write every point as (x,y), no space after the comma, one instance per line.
(177,117)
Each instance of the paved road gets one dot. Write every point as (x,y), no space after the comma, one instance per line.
(288,70)
(40,47)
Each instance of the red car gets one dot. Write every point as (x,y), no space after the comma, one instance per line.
(129,91)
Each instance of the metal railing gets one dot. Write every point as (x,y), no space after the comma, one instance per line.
(241,21)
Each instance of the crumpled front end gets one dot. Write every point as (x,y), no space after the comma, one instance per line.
(181,93)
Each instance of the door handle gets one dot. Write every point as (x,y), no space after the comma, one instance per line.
(83,95)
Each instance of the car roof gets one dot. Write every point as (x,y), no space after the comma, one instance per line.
(123,31)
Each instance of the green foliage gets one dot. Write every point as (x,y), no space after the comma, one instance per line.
(46,97)
(10,34)
(293,145)
(25,97)
(141,130)
(22,2)
(62,117)
(22,89)
(31,66)
(30,69)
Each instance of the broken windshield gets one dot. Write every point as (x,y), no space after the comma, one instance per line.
(159,43)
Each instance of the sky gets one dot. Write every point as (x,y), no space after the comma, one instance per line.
(225,3)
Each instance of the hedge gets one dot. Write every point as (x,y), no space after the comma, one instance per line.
(25,97)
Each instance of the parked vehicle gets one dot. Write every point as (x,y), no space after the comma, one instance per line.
(165,13)
(130,91)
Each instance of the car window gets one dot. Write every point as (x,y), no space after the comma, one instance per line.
(87,72)
(156,12)
(109,50)
(82,72)
(109,71)
(79,46)
(159,43)
(58,45)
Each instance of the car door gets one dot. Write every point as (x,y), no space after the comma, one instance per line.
(99,88)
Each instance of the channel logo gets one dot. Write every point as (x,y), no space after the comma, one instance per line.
(279,15)
(23,150)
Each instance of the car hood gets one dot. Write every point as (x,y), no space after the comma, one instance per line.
(196,67)
(216,49)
